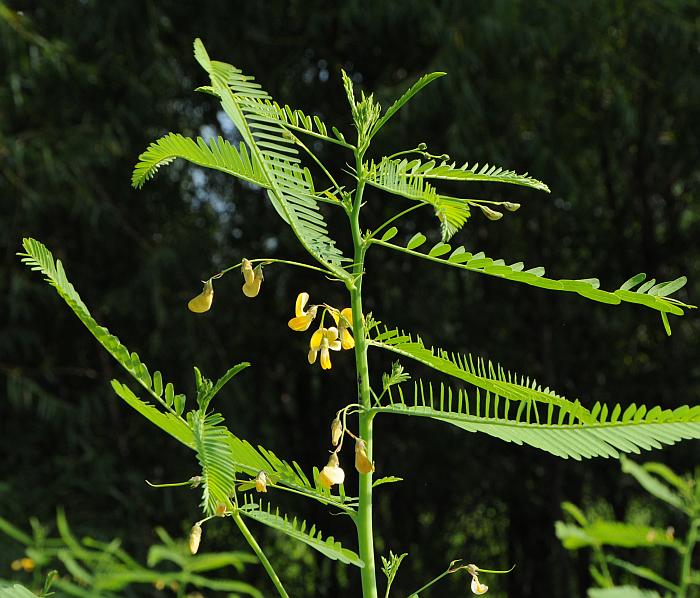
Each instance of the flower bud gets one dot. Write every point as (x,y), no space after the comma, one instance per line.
(261,482)
(422,147)
(510,206)
(362,462)
(491,214)
(336,431)
(202,302)
(195,538)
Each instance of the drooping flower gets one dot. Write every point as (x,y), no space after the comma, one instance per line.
(261,482)
(477,587)
(362,462)
(202,302)
(336,431)
(303,318)
(491,214)
(324,340)
(343,320)
(332,473)
(195,537)
(253,278)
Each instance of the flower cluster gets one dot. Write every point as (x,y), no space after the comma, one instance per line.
(323,340)
(252,280)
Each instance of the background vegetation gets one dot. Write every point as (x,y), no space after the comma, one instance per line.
(599,100)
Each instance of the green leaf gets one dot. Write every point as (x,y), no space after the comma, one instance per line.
(416,241)
(622,592)
(587,288)
(390,234)
(218,155)
(405,97)
(386,480)
(297,529)
(652,485)
(450,171)
(15,591)
(546,422)
(211,442)
(643,572)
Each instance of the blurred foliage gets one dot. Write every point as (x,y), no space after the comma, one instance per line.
(104,570)
(601,101)
(666,556)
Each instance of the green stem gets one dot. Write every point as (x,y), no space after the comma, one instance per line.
(430,583)
(260,554)
(686,565)
(393,218)
(274,261)
(365,535)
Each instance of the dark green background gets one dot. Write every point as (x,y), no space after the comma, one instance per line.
(601,100)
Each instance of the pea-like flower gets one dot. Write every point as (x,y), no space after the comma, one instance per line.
(362,462)
(303,318)
(324,340)
(477,587)
(343,320)
(331,473)
(261,482)
(253,278)
(202,302)
(195,538)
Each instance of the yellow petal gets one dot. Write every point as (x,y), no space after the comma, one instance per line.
(316,339)
(324,480)
(477,587)
(336,431)
(335,346)
(302,300)
(347,314)
(362,462)
(312,356)
(325,359)
(331,333)
(252,289)
(202,302)
(346,339)
(300,323)
(261,481)
(195,538)
(247,269)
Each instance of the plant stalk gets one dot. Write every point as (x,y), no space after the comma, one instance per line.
(260,554)
(365,535)
(686,565)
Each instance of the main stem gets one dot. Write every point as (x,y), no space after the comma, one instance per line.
(365,535)
(686,565)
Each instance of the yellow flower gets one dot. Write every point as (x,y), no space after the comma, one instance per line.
(336,431)
(362,462)
(261,482)
(343,320)
(253,278)
(324,340)
(477,587)
(303,318)
(202,302)
(331,473)
(195,538)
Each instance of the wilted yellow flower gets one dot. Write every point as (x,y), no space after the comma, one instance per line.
(202,302)
(253,278)
(324,340)
(16,565)
(261,482)
(331,473)
(159,585)
(477,587)
(491,214)
(303,318)
(343,320)
(195,537)
(336,431)
(362,462)
(220,509)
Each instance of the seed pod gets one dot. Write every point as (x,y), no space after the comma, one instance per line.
(336,431)
(491,214)
(202,302)
(362,462)
(195,538)
(510,206)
